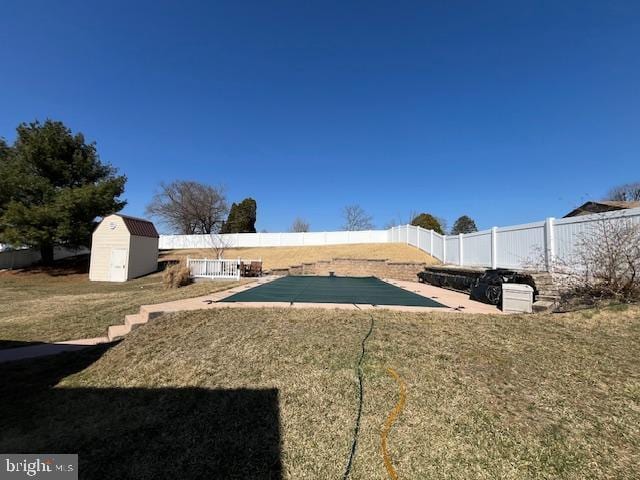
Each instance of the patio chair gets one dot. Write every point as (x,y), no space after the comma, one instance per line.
(255,269)
(244,269)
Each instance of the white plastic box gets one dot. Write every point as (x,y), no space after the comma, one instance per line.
(517,298)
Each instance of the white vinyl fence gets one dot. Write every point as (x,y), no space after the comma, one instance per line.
(216,269)
(532,245)
(237,240)
(535,245)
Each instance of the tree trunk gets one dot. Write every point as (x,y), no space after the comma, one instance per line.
(46,252)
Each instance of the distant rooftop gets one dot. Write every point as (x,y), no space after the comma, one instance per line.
(600,206)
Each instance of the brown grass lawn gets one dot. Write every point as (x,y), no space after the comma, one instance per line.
(43,307)
(282,257)
(272,393)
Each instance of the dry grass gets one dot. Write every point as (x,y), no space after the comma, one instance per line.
(176,276)
(282,257)
(43,307)
(510,397)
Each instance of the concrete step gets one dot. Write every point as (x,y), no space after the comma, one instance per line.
(548,298)
(543,306)
(134,319)
(149,314)
(116,331)
(144,314)
(552,297)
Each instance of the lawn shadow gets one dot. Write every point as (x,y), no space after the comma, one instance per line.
(140,433)
(76,265)
(4,344)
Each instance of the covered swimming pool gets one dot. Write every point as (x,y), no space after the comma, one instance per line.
(352,290)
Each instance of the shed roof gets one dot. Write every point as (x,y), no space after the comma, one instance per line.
(139,227)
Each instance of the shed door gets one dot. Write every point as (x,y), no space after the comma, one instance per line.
(118,265)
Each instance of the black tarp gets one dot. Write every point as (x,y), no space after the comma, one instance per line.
(488,288)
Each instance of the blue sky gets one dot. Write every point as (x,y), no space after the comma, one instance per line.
(506,111)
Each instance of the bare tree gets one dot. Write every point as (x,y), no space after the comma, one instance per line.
(629,192)
(219,243)
(300,225)
(443,224)
(605,264)
(390,224)
(355,218)
(189,207)
(401,219)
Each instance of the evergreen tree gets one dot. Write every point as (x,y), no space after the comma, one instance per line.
(242,217)
(53,188)
(464,224)
(428,222)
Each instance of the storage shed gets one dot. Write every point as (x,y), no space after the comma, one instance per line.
(123,248)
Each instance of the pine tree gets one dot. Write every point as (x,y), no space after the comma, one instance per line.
(53,188)
(428,222)
(242,217)
(464,224)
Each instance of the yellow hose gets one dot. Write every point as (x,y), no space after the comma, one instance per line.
(393,415)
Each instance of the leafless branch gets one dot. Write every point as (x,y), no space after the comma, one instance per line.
(355,218)
(300,225)
(189,207)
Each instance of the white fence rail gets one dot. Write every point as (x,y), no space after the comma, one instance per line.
(531,245)
(237,240)
(216,269)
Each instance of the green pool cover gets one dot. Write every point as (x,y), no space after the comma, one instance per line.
(361,290)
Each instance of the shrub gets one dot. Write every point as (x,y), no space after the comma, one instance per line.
(176,276)
(605,266)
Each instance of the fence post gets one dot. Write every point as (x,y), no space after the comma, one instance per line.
(431,242)
(549,238)
(460,250)
(494,247)
(444,249)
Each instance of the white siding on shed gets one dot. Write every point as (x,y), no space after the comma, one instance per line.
(114,234)
(143,256)
(110,234)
